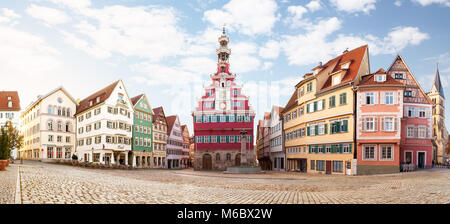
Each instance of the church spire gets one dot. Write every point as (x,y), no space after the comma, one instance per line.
(437,82)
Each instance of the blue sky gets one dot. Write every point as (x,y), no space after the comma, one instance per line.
(166,48)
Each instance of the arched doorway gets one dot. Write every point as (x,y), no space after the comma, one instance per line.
(237,161)
(207,162)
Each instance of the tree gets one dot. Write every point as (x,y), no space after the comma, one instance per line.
(15,139)
(5,151)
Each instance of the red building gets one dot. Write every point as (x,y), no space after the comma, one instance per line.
(221,114)
(416,146)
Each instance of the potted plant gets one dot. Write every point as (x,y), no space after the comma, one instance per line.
(74,159)
(4,149)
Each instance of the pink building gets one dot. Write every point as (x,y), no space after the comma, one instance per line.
(380,111)
(416,126)
(222,113)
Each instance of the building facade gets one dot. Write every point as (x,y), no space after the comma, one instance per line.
(104,126)
(264,157)
(185,151)
(222,113)
(174,143)
(440,134)
(142,151)
(10,111)
(159,138)
(416,146)
(380,112)
(48,126)
(319,118)
(276,149)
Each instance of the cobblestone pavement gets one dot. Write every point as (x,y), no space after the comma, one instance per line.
(8,182)
(50,183)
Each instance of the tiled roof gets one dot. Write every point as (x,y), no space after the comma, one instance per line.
(291,103)
(369,80)
(156,112)
(103,94)
(135,99)
(14,99)
(355,56)
(170,123)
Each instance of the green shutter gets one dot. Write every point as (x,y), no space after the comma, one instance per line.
(316,131)
(350,147)
(307,131)
(324,148)
(316,148)
(323,104)
(333,148)
(218,138)
(344,128)
(338,127)
(307,108)
(227,139)
(210,138)
(315,106)
(340,148)
(326,128)
(309,148)
(203,139)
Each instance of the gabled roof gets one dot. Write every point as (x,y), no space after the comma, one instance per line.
(40,98)
(156,112)
(291,103)
(170,123)
(104,94)
(354,56)
(14,99)
(136,99)
(369,80)
(437,83)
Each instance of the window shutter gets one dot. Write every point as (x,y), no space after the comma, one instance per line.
(350,147)
(396,123)
(362,121)
(338,127)
(218,138)
(382,97)
(375,124)
(316,148)
(315,106)
(227,118)
(307,108)
(395,98)
(323,104)
(333,148)
(405,112)
(382,124)
(324,148)
(309,148)
(345,126)
(307,130)
(375,98)
(326,128)
(364,97)
(316,129)
(227,139)
(416,132)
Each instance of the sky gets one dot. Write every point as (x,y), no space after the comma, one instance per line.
(166,48)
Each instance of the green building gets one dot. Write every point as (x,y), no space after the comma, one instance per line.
(142,151)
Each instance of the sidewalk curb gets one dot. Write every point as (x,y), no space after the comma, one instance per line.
(18,196)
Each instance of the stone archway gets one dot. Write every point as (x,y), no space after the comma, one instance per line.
(237,160)
(207,162)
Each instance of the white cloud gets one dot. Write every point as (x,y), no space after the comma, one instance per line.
(249,17)
(270,50)
(295,18)
(429,2)
(442,58)
(48,16)
(76,4)
(242,57)
(156,74)
(8,16)
(84,45)
(314,5)
(267,65)
(199,65)
(314,46)
(354,6)
(398,3)
(120,29)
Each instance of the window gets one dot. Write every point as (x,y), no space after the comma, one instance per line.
(50,138)
(388,124)
(370,124)
(422,112)
(313,165)
(228,157)
(342,98)
(410,132)
(422,133)
(369,98)
(389,98)
(236,92)
(309,87)
(336,80)
(411,112)
(369,153)
(332,101)
(320,165)
(50,125)
(408,93)
(217,157)
(386,152)
(379,78)
(337,166)
(398,76)
(59,138)
(50,152)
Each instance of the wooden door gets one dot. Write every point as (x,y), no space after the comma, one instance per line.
(328,167)
(207,162)
(237,161)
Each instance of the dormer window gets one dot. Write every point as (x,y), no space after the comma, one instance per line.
(98,99)
(380,78)
(336,79)
(9,98)
(90,103)
(398,76)
(345,66)
(10,104)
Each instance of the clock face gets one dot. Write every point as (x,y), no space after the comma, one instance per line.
(223,106)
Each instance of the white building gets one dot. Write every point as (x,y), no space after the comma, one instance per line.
(48,127)
(174,143)
(9,111)
(277,153)
(104,126)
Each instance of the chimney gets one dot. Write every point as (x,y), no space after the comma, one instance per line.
(320,63)
(346,50)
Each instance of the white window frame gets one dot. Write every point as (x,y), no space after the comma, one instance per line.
(389,98)
(392,153)
(374,153)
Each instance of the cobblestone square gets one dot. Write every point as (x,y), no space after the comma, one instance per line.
(42,183)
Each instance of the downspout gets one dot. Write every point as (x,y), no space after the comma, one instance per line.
(355,119)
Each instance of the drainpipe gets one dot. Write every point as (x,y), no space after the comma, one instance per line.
(355,119)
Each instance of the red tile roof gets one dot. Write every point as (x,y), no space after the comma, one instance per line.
(369,80)
(14,99)
(170,123)
(156,112)
(355,56)
(135,99)
(103,94)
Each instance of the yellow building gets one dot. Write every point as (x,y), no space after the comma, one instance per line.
(319,120)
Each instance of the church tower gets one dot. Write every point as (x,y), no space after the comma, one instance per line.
(440,134)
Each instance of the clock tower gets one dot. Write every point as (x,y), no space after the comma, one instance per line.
(221,114)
